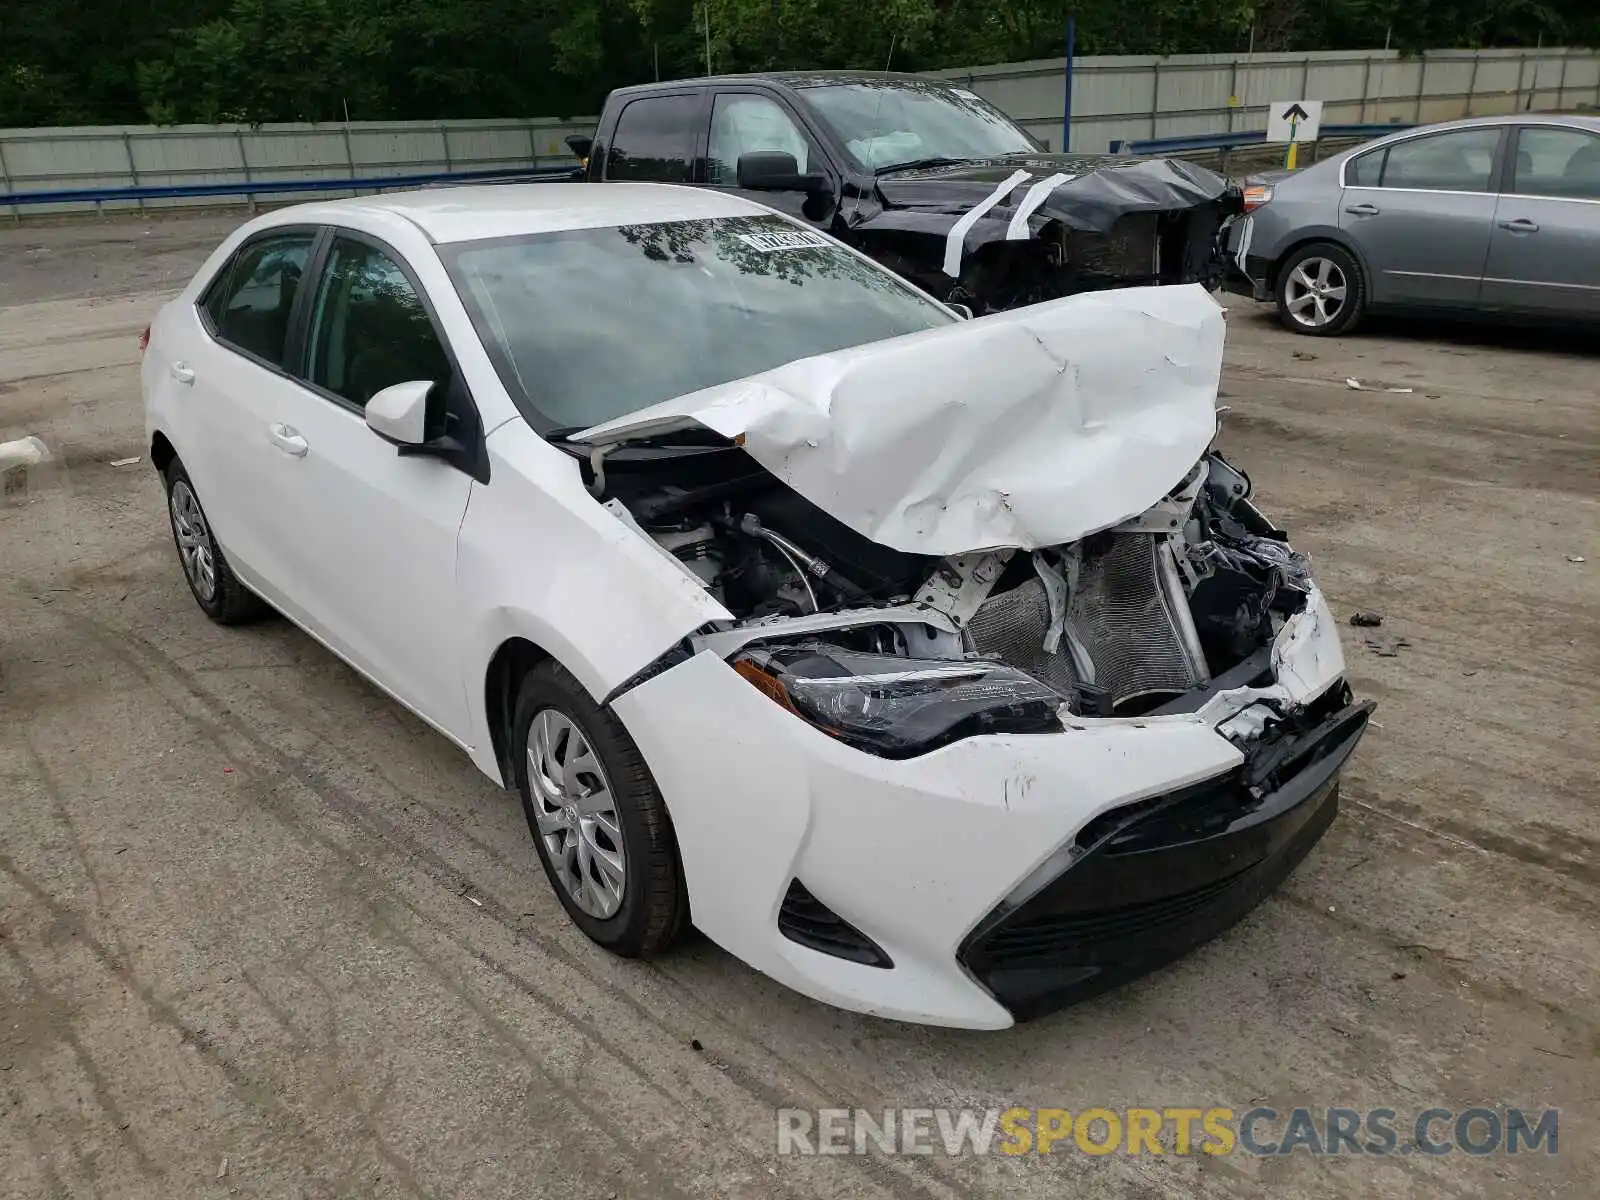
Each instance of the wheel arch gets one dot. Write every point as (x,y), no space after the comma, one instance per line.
(502,681)
(162,452)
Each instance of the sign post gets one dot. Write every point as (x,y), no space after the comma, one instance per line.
(1294,122)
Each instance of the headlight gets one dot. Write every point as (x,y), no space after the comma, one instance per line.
(1256,195)
(898,707)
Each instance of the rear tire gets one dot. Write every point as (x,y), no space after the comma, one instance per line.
(1321,291)
(598,821)
(212,582)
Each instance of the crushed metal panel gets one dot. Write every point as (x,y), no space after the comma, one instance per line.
(1023,429)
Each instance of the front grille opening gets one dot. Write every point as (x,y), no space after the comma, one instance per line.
(804,919)
(1046,938)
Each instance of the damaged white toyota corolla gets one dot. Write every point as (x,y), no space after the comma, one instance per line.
(939,669)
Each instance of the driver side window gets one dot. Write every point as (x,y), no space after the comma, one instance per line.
(743,124)
(369,329)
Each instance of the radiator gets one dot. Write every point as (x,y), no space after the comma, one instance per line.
(1127,616)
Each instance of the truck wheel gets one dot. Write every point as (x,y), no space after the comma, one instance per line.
(1321,291)
(597,819)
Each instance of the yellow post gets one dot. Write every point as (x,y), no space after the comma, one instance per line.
(1288,161)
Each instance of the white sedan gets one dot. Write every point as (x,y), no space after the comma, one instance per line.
(939,669)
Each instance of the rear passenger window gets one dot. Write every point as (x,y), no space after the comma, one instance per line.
(250,303)
(654,140)
(1364,170)
(1459,161)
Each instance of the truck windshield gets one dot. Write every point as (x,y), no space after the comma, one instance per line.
(884,123)
(585,325)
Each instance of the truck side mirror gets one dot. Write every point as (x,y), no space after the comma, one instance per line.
(776,171)
(580,145)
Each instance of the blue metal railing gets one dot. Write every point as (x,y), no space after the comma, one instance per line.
(265,187)
(1245,137)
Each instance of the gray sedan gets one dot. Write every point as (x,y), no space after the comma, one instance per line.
(1496,215)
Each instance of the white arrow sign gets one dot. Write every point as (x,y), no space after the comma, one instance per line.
(1294,120)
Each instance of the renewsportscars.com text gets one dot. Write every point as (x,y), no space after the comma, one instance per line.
(1097,1131)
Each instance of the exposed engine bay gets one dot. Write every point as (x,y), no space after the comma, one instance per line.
(1117,624)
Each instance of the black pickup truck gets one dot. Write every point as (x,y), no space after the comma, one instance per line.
(925,177)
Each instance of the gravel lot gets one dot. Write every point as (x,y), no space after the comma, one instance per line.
(264,934)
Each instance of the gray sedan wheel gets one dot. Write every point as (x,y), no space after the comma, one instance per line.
(1321,290)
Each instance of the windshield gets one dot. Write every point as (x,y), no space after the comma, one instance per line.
(889,122)
(590,324)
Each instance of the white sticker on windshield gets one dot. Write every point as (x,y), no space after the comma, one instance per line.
(964,94)
(792,239)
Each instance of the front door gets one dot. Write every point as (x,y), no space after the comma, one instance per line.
(372,532)
(1420,211)
(1544,250)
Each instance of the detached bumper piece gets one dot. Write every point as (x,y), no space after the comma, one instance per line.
(1148,882)
(804,919)
(1254,280)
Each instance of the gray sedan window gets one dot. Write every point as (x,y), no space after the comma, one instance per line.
(1564,163)
(1365,169)
(1461,160)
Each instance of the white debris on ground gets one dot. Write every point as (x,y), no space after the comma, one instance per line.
(23,452)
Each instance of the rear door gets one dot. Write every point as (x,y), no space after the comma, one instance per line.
(1420,210)
(229,390)
(1544,250)
(372,532)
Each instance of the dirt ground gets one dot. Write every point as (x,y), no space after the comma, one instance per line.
(264,934)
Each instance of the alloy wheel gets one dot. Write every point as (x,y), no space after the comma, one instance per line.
(576,814)
(194,541)
(1314,293)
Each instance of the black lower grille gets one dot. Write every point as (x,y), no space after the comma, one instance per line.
(804,919)
(1154,879)
(1048,937)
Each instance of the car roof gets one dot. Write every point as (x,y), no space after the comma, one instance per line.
(793,79)
(1576,120)
(476,213)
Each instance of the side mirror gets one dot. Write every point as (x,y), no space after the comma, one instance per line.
(960,310)
(580,145)
(399,413)
(776,171)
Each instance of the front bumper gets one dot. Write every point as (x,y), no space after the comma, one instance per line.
(937,860)
(1146,884)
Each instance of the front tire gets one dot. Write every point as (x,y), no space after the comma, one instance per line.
(216,589)
(598,822)
(1321,291)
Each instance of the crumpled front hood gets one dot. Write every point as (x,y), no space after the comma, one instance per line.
(1027,428)
(1097,190)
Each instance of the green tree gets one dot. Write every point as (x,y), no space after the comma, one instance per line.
(88,61)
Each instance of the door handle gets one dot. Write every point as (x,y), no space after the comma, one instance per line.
(1520,225)
(182,372)
(286,439)
(1362,210)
